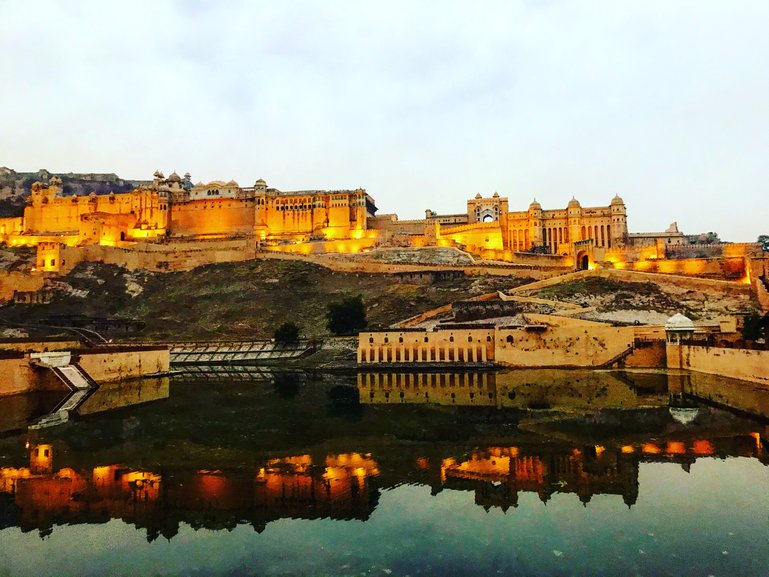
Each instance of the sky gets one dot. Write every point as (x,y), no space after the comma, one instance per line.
(423,103)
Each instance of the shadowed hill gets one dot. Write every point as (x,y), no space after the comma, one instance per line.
(242,300)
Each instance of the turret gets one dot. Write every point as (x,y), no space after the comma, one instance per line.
(535,224)
(618,220)
(574,212)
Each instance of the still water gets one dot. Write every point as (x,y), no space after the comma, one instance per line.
(243,472)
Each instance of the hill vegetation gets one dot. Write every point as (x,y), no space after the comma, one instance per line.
(242,300)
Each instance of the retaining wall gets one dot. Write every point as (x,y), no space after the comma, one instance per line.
(742,364)
(117,365)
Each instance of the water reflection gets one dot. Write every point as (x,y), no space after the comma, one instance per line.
(340,486)
(364,450)
(523,389)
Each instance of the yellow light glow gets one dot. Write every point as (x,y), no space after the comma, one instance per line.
(702,447)
(675,448)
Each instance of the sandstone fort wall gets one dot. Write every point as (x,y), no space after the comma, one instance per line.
(18,281)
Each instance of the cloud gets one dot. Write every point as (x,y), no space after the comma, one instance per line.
(666,103)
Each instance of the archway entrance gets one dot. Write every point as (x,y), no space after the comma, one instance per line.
(583,261)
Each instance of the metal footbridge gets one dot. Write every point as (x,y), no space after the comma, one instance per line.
(237,352)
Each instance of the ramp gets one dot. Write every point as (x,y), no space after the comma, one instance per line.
(80,384)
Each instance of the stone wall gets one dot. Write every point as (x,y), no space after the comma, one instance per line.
(161,257)
(742,364)
(120,364)
(722,268)
(647,355)
(38,346)
(562,342)
(475,310)
(18,281)
(17,375)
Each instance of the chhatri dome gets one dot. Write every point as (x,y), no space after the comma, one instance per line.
(617,200)
(478,196)
(679,323)
(173,177)
(574,203)
(535,205)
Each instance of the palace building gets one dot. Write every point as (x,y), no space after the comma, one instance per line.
(174,207)
(171,209)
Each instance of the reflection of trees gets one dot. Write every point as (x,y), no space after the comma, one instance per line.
(287,384)
(344,402)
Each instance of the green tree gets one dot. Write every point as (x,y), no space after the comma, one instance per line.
(287,334)
(763,240)
(346,317)
(752,330)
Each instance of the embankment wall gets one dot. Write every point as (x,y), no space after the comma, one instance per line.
(742,364)
(16,375)
(118,365)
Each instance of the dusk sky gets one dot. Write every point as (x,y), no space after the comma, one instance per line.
(424,104)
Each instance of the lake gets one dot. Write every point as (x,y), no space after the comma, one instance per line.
(240,471)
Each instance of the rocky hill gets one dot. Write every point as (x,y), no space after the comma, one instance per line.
(246,300)
(15,186)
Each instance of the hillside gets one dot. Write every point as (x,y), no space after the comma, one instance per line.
(647,302)
(241,300)
(15,186)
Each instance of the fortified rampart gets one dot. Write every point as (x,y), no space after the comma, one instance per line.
(310,222)
(10,282)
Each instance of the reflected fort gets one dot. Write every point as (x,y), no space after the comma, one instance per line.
(558,439)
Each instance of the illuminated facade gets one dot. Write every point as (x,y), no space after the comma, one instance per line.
(175,208)
(316,221)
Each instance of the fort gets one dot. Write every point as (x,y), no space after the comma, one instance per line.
(221,221)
